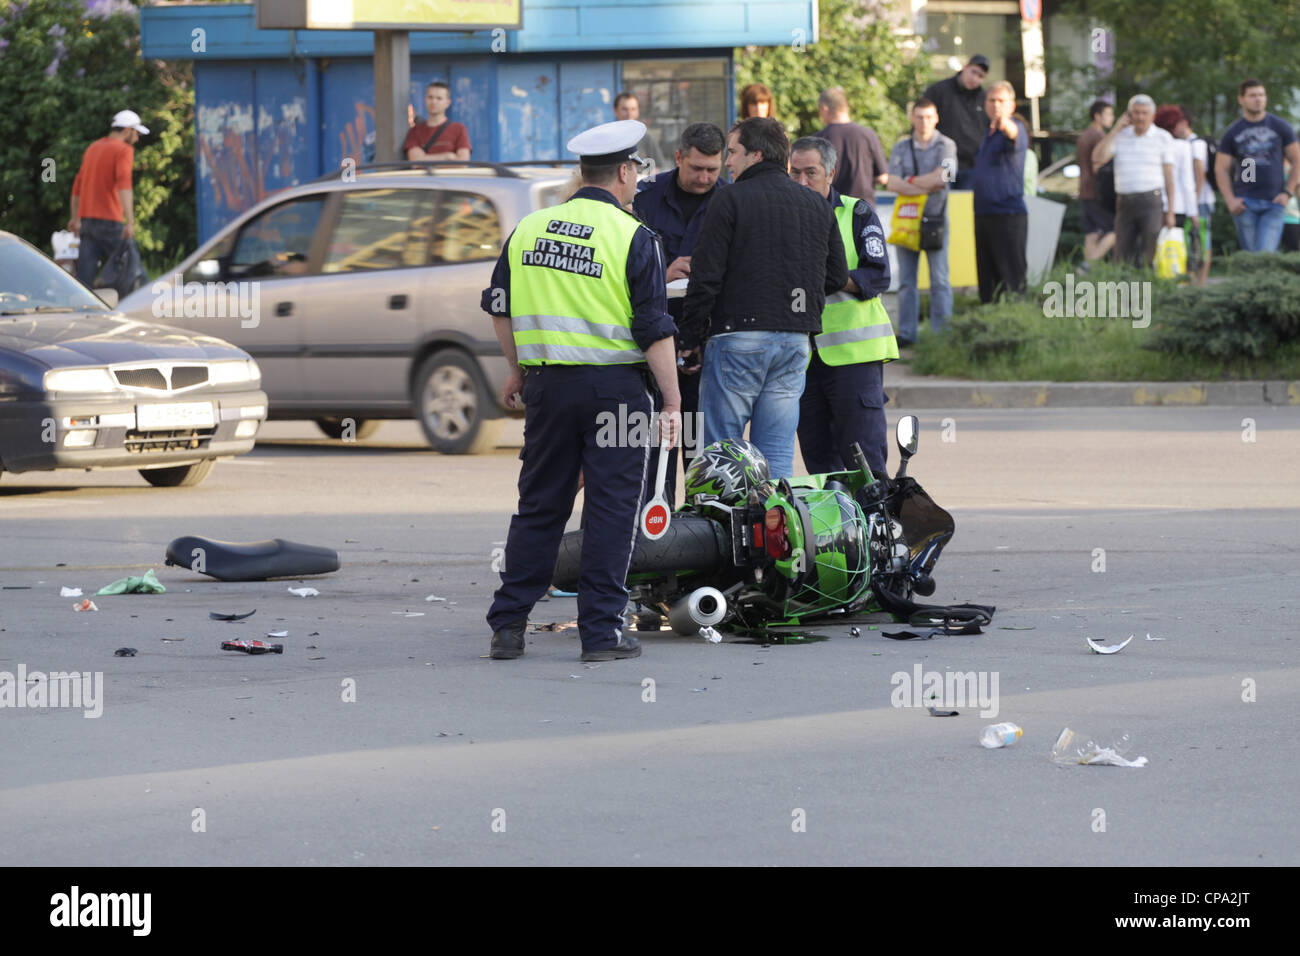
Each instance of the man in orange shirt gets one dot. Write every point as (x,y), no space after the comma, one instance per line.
(103,208)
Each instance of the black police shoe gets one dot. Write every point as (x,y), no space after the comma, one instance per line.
(627,646)
(508,641)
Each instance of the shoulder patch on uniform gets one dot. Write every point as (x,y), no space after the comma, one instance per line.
(872,228)
(875,247)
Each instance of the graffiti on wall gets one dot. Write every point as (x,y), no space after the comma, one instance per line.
(241,161)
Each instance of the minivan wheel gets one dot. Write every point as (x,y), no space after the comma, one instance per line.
(362,428)
(182,476)
(450,399)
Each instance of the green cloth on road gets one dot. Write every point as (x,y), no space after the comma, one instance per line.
(145,584)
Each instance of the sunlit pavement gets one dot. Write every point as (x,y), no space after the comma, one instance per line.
(382,735)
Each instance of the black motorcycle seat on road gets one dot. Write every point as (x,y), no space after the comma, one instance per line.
(250,560)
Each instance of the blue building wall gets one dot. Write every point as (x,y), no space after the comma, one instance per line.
(274,108)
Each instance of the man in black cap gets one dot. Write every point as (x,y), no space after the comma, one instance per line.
(579,306)
(960,101)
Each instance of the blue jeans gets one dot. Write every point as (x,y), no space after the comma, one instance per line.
(1259,225)
(909,297)
(99,237)
(755,378)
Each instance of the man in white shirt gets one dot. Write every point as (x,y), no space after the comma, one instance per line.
(1144,177)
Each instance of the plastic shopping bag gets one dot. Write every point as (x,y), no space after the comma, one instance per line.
(1171,253)
(905,226)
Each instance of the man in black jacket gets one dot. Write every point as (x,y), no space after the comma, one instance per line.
(768,254)
(960,102)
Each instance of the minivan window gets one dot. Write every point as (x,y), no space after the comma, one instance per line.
(381,229)
(278,242)
(467,228)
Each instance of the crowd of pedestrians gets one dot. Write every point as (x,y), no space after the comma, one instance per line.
(1151,170)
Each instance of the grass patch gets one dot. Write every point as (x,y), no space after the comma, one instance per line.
(1243,328)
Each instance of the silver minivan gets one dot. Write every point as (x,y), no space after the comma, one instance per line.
(358,295)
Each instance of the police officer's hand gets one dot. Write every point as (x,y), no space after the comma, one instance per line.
(514,386)
(690,361)
(679,268)
(670,424)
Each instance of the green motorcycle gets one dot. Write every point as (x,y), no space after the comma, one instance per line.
(748,553)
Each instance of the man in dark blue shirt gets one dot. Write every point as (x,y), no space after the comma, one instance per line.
(1249,170)
(673,205)
(1001,219)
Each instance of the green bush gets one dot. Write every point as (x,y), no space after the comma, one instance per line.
(66,67)
(1248,316)
(1243,328)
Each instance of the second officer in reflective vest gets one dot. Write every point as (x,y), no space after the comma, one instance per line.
(580,308)
(844,394)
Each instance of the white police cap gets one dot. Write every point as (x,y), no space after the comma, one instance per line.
(609,143)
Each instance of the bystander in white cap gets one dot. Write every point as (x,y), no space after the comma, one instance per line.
(129,119)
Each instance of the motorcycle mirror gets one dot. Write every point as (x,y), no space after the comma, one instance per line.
(908,435)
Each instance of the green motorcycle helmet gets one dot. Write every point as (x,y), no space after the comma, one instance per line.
(728,469)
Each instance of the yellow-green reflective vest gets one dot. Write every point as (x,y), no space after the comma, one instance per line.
(569,301)
(854,331)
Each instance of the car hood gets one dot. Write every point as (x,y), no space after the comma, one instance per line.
(59,339)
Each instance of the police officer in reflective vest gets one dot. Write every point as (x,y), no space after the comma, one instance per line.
(844,397)
(580,308)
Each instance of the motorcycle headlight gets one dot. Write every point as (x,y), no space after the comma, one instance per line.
(79,380)
(234,373)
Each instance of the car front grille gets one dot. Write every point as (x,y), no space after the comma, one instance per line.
(165,378)
(177,439)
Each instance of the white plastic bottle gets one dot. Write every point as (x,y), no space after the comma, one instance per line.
(1000,735)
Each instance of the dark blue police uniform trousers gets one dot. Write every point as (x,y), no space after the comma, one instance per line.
(840,405)
(562,417)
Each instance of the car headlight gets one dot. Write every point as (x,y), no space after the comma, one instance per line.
(234,373)
(79,380)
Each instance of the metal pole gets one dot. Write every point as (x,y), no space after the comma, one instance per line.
(392,91)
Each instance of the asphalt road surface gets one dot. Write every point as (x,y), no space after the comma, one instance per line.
(383,735)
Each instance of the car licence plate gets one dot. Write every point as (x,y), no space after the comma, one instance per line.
(176,415)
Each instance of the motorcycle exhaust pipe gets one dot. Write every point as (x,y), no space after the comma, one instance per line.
(703,607)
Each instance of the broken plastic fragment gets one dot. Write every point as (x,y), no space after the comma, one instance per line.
(1150,638)
(434,597)
(710,635)
(304,592)
(1113,649)
(70,592)
(936,712)
(124,652)
(217,616)
(277,633)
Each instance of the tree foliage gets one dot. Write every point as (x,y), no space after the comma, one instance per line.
(66,67)
(859,48)
(1195,52)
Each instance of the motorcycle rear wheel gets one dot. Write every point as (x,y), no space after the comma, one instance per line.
(692,543)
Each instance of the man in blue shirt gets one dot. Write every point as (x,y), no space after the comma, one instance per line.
(673,205)
(1001,219)
(1249,170)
